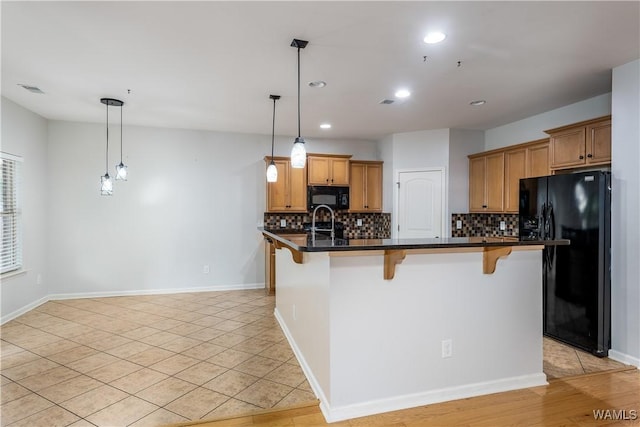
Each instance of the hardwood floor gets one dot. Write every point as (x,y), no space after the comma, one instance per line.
(564,402)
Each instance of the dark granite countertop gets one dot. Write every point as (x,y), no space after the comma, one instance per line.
(304,242)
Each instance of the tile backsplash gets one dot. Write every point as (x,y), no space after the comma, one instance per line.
(374,225)
(484,225)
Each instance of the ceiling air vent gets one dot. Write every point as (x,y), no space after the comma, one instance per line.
(387,101)
(33,89)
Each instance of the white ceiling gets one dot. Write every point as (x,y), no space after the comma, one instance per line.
(212,65)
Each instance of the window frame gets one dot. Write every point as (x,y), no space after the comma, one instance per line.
(11,259)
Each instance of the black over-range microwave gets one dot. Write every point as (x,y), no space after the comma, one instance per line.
(334,197)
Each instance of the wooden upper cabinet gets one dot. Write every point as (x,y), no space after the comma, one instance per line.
(581,144)
(494,176)
(366,186)
(599,142)
(328,170)
(486,182)
(289,192)
(515,168)
(538,159)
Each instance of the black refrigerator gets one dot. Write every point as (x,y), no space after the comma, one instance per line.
(577,277)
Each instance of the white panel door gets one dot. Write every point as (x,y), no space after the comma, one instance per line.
(420,198)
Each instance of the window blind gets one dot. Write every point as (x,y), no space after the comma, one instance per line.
(11,256)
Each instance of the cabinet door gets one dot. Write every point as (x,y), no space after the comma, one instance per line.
(477,175)
(373,201)
(495,182)
(568,148)
(357,188)
(318,170)
(515,167)
(277,192)
(599,143)
(297,189)
(339,172)
(538,160)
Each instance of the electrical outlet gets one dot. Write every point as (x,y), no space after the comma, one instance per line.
(458,225)
(503,225)
(359,222)
(283,223)
(206,269)
(447,348)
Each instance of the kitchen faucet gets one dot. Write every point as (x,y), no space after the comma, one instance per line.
(313,222)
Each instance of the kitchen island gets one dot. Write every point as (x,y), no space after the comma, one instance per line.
(386,324)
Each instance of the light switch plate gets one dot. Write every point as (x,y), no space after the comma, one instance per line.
(503,225)
(283,223)
(458,225)
(359,222)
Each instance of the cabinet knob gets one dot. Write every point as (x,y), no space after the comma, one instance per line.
(581,157)
(484,206)
(589,155)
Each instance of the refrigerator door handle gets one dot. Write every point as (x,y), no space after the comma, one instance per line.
(551,234)
(543,222)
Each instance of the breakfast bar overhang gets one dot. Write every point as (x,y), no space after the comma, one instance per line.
(386,324)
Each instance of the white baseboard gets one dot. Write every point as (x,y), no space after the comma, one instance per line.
(19,312)
(240,287)
(624,358)
(79,295)
(333,414)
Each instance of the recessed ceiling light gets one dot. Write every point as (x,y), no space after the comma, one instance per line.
(325,126)
(434,37)
(478,102)
(317,83)
(403,93)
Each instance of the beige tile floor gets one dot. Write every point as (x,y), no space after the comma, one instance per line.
(146,360)
(153,360)
(562,361)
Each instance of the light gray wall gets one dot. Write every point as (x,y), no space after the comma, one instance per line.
(385,148)
(24,134)
(194,198)
(625,231)
(461,143)
(533,128)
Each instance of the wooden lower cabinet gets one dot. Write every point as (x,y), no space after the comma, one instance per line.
(269,267)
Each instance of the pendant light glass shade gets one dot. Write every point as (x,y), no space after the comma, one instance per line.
(121,169)
(106,183)
(298,151)
(272,170)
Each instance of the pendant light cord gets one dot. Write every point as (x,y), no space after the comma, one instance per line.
(121,133)
(106,160)
(298,92)
(273,127)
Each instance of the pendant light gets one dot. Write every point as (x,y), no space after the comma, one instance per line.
(106,183)
(121,169)
(298,152)
(272,170)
